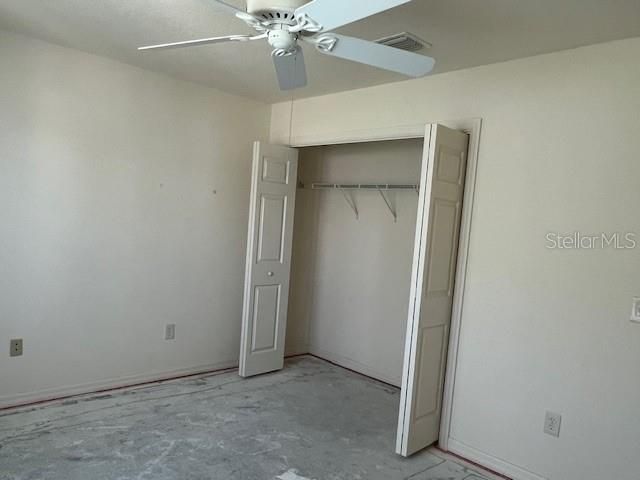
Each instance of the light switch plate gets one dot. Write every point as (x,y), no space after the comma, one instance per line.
(552,423)
(635,313)
(170,332)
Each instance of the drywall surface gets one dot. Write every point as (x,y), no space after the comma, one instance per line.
(123,204)
(350,276)
(542,329)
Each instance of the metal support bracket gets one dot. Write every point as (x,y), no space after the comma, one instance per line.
(348,196)
(383,189)
(390,206)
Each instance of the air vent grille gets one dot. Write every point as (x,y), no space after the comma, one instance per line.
(404,41)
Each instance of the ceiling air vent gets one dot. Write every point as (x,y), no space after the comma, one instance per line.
(404,41)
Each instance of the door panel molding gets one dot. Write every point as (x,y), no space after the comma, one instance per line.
(268,327)
(438,335)
(434,247)
(275,170)
(279,202)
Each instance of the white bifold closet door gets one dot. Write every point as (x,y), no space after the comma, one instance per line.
(266,292)
(432,283)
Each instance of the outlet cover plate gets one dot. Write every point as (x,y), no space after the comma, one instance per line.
(635,312)
(15,347)
(552,423)
(170,332)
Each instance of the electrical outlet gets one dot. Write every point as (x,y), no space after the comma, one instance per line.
(170,332)
(552,422)
(635,312)
(15,347)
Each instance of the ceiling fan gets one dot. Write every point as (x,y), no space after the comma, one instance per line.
(285,23)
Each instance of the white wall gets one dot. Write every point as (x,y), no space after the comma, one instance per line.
(123,207)
(350,278)
(541,329)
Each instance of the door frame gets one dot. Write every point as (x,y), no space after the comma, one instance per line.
(473,127)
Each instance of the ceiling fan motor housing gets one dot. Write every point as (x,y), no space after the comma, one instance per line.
(273,7)
(282,41)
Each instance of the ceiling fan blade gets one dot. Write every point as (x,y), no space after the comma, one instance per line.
(202,41)
(291,70)
(331,14)
(374,54)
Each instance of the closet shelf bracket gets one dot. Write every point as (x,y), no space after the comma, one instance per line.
(348,196)
(383,189)
(394,214)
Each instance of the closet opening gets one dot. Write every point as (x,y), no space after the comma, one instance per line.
(354,231)
(353,257)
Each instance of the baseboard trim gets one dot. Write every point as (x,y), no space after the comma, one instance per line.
(465,462)
(119,383)
(490,462)
(296,352)
(354,365)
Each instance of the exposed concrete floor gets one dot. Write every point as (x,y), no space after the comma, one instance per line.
(310,421)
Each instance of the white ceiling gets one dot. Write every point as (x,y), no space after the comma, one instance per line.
(464,33)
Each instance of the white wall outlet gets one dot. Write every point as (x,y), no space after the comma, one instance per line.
(635,312)
(170,332)
(552,422)
(15,347)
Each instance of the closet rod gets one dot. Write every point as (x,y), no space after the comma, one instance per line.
(362,186)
